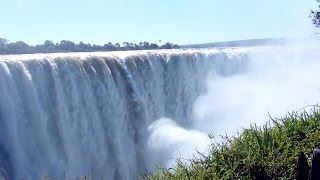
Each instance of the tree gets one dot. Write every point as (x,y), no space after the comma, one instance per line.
(3,42)
(146,45)
(109,47)
(315,16)
(18,47)
(136,47)
(167,46)
(154,46)
(126,45)
(67,46)
(117,45)
(48,46)
(97,48)
(81,47)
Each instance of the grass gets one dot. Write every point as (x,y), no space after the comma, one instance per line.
(266,152)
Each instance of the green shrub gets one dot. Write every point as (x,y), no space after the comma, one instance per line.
(267,152)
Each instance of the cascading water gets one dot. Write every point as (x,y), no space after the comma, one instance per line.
(103,112)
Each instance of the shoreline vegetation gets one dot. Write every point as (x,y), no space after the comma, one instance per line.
(20,47)
(267,152)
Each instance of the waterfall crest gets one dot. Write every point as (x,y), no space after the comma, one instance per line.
(80,112)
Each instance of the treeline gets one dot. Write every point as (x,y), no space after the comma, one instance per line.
(21,47)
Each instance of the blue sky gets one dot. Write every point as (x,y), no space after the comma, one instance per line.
(177,21)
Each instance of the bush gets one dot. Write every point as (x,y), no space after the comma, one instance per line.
(267,152)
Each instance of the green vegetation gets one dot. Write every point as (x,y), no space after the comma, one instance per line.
(20,47)
(267,152)
(315,16)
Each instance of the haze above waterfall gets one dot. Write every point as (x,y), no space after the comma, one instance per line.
(122,112)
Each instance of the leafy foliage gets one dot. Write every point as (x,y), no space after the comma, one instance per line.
(267,152)
(315,16)
(20,47)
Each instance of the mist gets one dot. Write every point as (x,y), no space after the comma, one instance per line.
(124,112)
(275,82)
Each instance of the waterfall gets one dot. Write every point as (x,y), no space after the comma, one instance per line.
(83,113)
